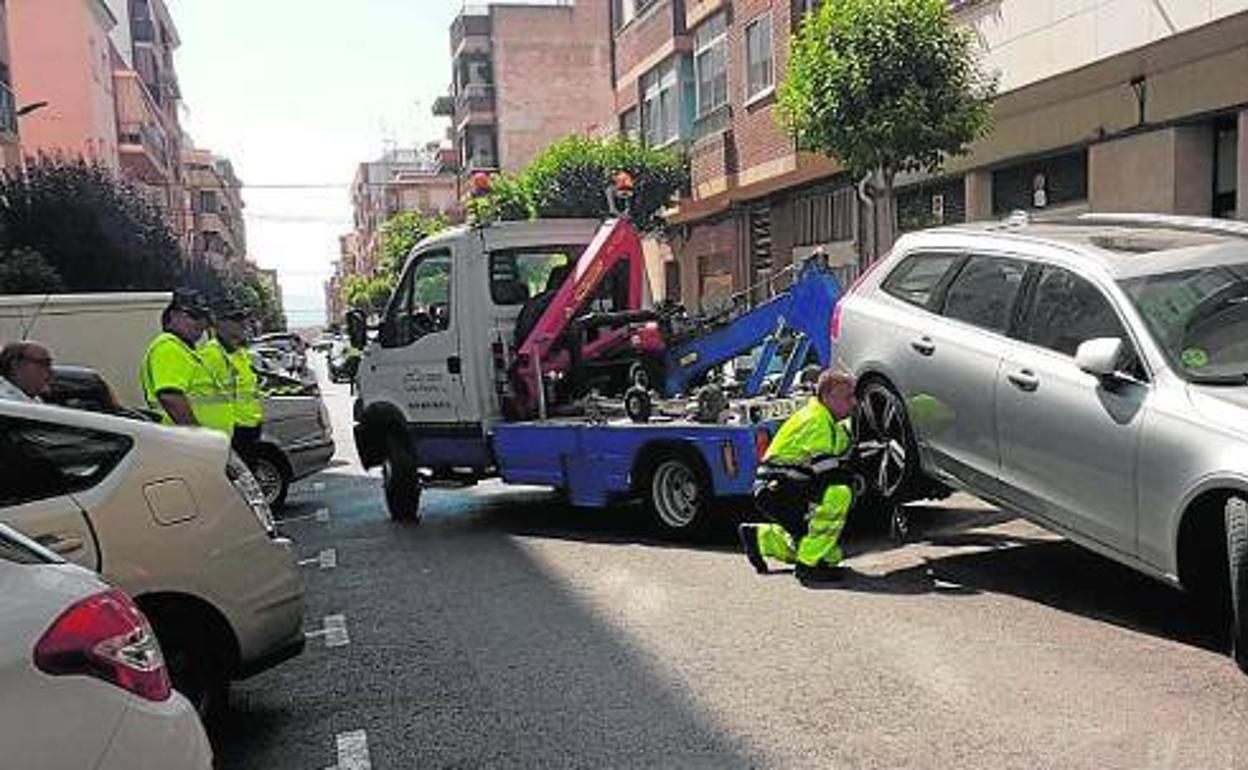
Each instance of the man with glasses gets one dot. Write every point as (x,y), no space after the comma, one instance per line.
(176,381)
(25,371)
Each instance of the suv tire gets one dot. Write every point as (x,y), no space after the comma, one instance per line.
(1237,554)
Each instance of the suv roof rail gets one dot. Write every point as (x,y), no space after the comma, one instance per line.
(1170,221)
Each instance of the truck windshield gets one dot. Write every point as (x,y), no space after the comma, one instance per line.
(1200,319)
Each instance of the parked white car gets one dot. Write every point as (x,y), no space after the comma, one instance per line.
(82,679)
(170,516)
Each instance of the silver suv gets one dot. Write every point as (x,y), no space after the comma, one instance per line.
(1091,375)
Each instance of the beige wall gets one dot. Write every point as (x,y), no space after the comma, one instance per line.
(1027,41)
(1170,170)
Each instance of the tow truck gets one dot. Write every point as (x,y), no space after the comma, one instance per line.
(523,351)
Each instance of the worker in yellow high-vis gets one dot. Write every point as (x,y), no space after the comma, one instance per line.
(227,355)
(176,381)
(804,485)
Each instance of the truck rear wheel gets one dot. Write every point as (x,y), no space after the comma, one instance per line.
(401,481)
(677,493)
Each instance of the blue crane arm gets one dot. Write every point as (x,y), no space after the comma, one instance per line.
(804,308)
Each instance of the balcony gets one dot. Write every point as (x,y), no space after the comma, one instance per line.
(470,31)
(142,143)
(8,110)
(474,105)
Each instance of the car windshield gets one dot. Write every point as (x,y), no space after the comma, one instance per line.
(1200,319)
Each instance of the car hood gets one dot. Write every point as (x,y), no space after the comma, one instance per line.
(1225,406)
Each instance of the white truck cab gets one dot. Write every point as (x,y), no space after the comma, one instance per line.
(429,382)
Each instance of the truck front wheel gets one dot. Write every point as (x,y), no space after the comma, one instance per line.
(401,481)
(677,494)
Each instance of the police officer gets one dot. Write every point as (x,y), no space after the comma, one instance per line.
(176,381)
(805,486)
(227,355)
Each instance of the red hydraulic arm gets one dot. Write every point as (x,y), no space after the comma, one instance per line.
(614,243)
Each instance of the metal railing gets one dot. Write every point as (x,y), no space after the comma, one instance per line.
(151,138)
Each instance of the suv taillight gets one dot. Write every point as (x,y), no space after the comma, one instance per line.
(834,326)
(107,637)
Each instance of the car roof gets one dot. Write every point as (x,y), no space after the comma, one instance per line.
(1124,246)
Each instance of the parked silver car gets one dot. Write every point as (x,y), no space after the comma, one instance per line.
(1091,375)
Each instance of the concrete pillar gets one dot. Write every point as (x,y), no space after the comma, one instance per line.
(978,195)
(1241,183)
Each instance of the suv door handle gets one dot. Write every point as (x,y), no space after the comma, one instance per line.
(1024,379)
(59,544)
(924,346)
(454,365)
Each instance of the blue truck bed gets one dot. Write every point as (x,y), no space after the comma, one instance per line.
(596,464)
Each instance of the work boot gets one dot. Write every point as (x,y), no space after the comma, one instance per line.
(749,543)
(819,573)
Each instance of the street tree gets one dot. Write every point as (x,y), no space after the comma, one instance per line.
(569,179)
(885,87)
(97,232)
(400,233)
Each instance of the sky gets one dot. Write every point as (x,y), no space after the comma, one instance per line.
(299,92)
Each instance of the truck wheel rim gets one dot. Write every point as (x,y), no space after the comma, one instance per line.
(675,494)
(269,478)
(883,442)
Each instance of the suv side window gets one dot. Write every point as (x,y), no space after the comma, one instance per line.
(915,280)
(422,303)
(1067,311)
(984,292)
(41,460)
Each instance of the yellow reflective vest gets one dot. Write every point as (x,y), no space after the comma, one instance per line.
(171,365)
(234,371)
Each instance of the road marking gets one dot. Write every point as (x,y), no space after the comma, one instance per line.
(352,751)
(334,629)
(321,514)
(326,559)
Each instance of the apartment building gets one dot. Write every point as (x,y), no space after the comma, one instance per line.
(61,55)
(1113,105)
(10,148)
(215,211)
(400,180)
(525,75)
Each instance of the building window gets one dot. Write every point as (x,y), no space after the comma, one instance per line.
(1040,184)
(759,76)
(824,216)
(671,281)
(624,11)
(1225,167)
(660,108)
(799,11)
(630,123)
(710,64)
(208,200)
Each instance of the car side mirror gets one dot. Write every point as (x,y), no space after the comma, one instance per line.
(1100,357)
(357,329)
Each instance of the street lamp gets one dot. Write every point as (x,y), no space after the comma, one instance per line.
(29,108)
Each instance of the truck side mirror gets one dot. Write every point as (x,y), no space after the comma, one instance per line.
(357,329)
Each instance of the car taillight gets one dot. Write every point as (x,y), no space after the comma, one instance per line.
(107,637)
(834,326)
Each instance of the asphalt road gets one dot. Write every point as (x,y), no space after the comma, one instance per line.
(509,630)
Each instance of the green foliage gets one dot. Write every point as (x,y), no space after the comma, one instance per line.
(885,85)
(23,271)
(96,231)
(238,284)
(368,293)
(569,179)
(400,233)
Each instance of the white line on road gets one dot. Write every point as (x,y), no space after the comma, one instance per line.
(326,559)
(352,751)
(334,629)
(321,514)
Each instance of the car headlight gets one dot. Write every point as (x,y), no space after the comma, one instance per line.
(240,476)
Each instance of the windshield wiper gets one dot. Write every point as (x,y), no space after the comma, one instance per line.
(1218,379)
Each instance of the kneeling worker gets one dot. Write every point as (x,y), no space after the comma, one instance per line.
(804,486)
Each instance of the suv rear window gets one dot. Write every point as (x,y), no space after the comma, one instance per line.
(916,278)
